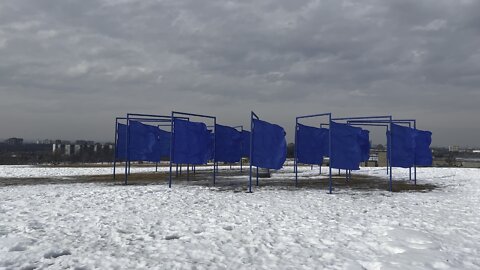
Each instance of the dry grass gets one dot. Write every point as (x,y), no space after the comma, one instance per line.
(235,181)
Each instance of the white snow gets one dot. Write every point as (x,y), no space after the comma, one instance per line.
(105,226)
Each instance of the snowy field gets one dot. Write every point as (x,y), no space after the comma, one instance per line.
(106,226)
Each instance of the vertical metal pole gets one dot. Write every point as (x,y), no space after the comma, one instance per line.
(115,153)
(241,156)
(194,171)
(214,148)
(415,165)
(176,170)
(156,166)
(127,150)
(414,160)
(257,176)
(188,172)
(251,150)
(390,154)
(171,151)
(388,147)
(295,161)
(330,153)
(320,168)
(180,169)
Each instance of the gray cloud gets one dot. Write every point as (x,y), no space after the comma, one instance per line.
(69,67)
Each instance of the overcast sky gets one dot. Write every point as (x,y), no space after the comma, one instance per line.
(67,68)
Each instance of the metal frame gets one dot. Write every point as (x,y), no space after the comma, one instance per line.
(384,119)
(329,147)
(173,117)
(116,137)
(252,115)
(395,121)
(133,117)
(241,158)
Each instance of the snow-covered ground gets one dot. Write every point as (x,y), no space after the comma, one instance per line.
(105,226)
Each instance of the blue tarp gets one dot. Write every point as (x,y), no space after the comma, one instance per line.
(165,138)
(269,145)
(311,142)
(245,143)
(325,143)
(228,144)
(402,145)
(121,142)
(364,141)
(144,143)
(190,142)
(423,154)
(141,144)
(346,152)
(211,143)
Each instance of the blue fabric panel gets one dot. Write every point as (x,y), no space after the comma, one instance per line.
(165,138)
(364,141)
(190,142)
(325,142)
(144,144)
(245,143)
(121,141)
(269,145)
(402,145)
(228,144)
(346,152)
(211,143)
(423,154)
(311,144)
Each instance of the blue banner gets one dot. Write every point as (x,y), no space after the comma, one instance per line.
(190,142)
(311,142)
(245,143)
(121,146)
(364,141)
(269,145)
(144,143)
(346,152)
(402,145)
(423,154)
(228,144)
(165,138)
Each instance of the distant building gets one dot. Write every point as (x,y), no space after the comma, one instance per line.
(77,149)
(83,142)
(453,148)
(45,141)
(98,147)
(14,141)
(68,149)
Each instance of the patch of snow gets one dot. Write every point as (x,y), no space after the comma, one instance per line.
(104,226)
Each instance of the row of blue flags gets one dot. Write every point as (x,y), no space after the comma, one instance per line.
(350,145)
(194,143)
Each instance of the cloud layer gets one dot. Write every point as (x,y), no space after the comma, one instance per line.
(69,67)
